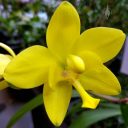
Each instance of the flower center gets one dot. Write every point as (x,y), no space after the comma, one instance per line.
(76,64)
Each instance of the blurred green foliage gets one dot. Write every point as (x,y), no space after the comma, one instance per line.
(23,24)
(110,13)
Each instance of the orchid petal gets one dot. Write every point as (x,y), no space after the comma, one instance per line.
(63,30)
(55,74)
(97,78)
(105,42)
(57,101)
(29,68)
(4,60)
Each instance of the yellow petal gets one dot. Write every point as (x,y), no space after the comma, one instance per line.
(63,30)
(29,68)
(55,74)
(101,81)
(91,60)
(105,42)
(57,101)
(4,60)
(3,84)
(97,77)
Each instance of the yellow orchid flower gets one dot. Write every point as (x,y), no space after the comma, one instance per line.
(71,60)
(4,60)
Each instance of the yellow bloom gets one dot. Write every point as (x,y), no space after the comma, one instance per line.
(4,60)
(70,60)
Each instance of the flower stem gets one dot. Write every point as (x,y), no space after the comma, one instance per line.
(7,49)
(112,99)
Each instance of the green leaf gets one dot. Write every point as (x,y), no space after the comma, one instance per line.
(38,100)
(105,104)
(90,117)
(124,110)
